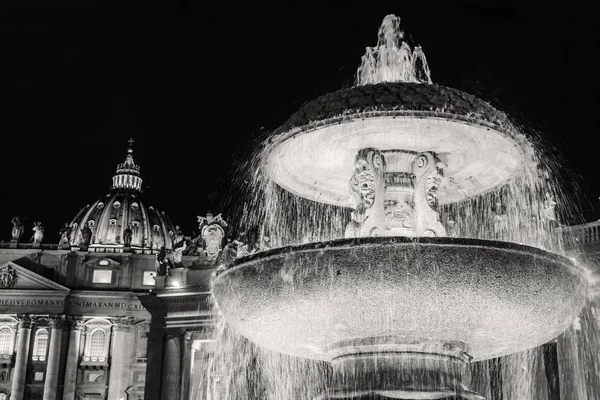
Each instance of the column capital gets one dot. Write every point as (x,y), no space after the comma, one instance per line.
(76,323)
(25,321)
(122,324)
(57,321)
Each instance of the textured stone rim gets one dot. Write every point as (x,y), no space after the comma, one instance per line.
(451,241)
(410,98)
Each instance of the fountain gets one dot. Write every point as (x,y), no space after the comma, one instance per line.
(398,308)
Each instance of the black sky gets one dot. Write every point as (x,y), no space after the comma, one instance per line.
(193,84)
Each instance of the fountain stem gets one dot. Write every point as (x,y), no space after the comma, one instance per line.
(399,368)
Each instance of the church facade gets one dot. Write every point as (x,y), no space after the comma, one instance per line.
(119,309)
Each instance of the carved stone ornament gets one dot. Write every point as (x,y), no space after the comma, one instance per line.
(25,321)
(367,187)
(76,324)
(122,323)
(212,231)
(57,321)
(429,171)
(8,277)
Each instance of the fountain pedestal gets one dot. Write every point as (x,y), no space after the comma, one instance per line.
(399,368)
(395,194)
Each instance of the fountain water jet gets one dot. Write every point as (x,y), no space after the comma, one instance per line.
(397,308)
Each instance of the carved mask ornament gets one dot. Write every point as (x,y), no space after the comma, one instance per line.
(213,237)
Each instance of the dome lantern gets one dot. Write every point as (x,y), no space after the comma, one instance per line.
(128,175)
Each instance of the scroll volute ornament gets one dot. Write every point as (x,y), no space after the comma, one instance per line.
(429,172)
(367,187)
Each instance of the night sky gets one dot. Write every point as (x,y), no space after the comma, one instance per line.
(194,84)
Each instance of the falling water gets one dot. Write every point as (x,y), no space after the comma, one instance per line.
(392,60)
(517,211)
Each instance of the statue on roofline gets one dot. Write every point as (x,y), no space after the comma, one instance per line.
(38,232)
(17,229)
(65,234)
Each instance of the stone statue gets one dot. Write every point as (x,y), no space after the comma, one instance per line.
(8,277)
(549,211)
(178,253)
(38,232)
(177,236)
(127,234)
(17,229)
(162,267)
(241,247)
(194,245)
(86,236)
(65,234)
(230,251)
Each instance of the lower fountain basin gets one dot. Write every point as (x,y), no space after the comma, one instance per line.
(468,298)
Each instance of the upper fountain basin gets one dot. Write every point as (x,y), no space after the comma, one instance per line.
(313,153)
(318,300)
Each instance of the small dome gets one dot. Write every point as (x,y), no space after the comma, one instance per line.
(109,217)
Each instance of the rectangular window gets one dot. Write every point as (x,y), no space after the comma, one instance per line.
(102,276)
(149,278)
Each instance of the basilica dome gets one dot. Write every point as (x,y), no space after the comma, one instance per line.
(109,217)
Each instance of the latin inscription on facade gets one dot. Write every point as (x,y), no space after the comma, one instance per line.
(71,304)
(104,304)
(31,302)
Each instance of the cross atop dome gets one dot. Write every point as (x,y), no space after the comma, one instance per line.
(128,173)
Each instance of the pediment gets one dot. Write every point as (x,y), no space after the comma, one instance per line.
(14,276)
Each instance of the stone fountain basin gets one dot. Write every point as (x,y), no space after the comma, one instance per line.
(317,300)
(312,155)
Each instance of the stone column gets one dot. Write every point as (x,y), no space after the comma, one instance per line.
(170,389)
(52,368)
(76,327)
(186,364)
(20,370)
(120,359)
(154,368)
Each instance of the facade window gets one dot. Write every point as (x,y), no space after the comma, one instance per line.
(134,206)
(102,276)
(40,345)
(148,279)
(6,340)
(96,350)
(116,204)
(100,206)
(112,222)
(91,223)
(156,228)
